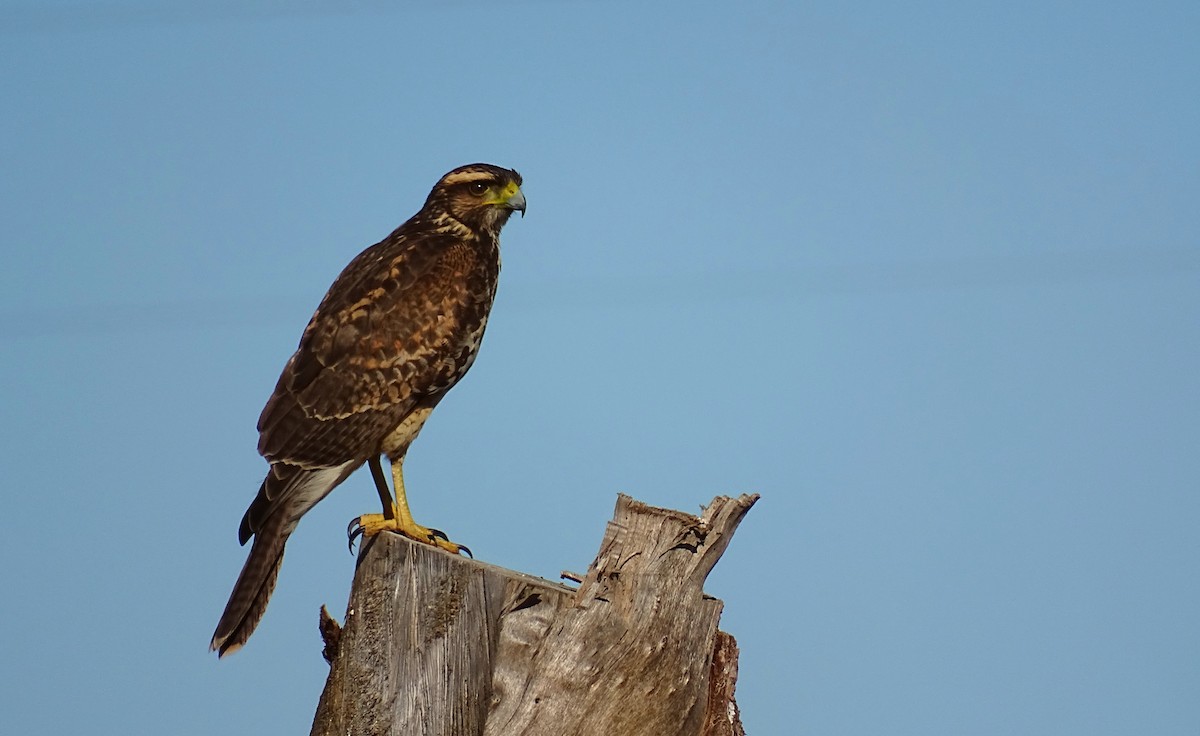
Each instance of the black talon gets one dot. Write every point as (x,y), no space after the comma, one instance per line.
(436,534)
(353,530)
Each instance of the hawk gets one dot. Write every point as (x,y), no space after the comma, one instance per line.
(397,329)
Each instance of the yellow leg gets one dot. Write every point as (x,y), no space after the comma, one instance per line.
(396,516)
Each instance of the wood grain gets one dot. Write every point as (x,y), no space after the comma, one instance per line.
(440,645)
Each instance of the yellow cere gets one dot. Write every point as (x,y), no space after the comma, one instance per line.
(501,196)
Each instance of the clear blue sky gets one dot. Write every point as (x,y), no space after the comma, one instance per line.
(926,276)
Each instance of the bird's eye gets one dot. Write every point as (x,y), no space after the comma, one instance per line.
(478,188)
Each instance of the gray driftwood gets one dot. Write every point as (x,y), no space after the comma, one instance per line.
(440,645)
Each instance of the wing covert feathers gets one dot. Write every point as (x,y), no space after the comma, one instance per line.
(403,321)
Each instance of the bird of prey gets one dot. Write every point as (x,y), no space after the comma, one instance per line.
(397,329)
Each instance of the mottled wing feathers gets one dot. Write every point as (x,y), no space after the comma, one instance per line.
(388,333)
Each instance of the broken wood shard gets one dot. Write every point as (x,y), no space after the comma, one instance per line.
(331,634)
(436,644)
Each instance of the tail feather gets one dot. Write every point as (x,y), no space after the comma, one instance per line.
(287,494)
(253,589)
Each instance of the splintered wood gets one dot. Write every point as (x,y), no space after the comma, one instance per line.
(440,645)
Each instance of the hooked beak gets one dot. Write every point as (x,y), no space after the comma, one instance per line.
(516,201)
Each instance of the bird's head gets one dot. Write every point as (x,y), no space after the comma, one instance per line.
(480,196)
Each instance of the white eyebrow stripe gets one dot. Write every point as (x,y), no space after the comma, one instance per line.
(466,176)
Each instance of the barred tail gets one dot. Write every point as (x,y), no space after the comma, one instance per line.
(253,588)
(286,494)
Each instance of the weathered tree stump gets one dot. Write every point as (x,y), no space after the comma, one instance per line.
(438,645)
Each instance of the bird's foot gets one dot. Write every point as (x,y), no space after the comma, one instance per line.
(368,525)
